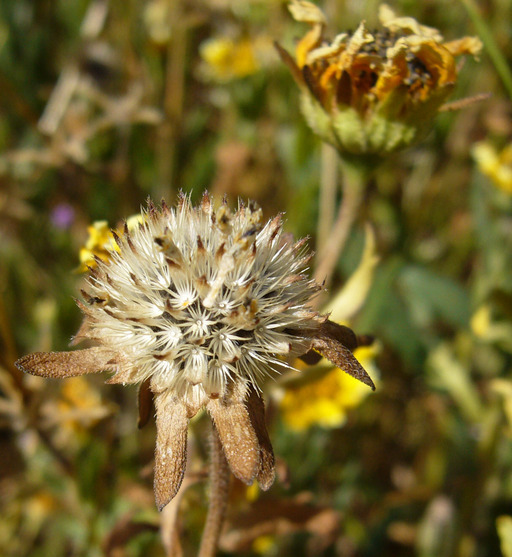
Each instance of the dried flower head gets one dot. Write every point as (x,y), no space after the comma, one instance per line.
(199,304)
(371,93)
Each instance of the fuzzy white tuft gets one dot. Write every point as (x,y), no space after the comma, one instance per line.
(200,298)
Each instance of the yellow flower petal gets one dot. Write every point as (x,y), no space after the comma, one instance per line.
(101,243)
(466,45)
(389,19)
(496,165)
(228,59)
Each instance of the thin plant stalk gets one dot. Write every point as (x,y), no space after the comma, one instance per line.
(169,531)
(219,490)
(353,189)
(495,54)
(328,189)
(174,94)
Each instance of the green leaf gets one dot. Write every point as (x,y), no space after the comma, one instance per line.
(433,297)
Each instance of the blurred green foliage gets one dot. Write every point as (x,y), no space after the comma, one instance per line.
(422,467)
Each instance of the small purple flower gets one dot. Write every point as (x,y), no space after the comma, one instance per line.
(62,216)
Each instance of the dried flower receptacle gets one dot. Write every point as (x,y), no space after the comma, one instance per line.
(373,93)
(201,303)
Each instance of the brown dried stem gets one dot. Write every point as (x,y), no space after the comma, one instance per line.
(219,489)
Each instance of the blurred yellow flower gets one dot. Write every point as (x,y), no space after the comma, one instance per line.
(372,93)
(481,321)
(225,59)
(491,329)
(264,545)
(325,402)
(497,165)
(78,408)
(252,492)
(40,506)
(101,242)
(80,404)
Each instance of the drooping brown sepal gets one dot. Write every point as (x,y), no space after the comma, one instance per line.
(239,420)
(68,364)
(237,435)
(335,343)
(256,408)
(171,446)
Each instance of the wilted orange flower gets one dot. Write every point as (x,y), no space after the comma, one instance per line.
(373,92)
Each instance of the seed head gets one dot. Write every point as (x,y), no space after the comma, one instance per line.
(200,304)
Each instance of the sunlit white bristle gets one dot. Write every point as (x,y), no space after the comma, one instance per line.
(197,298)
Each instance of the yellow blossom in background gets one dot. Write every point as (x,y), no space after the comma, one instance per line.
(372,93)
(325,402)
(488,328)
(497,165)
(263,545)
(101,243)
(225,59)
(78,408)
(252,492)
(481,321)
(39,507)
(78,397)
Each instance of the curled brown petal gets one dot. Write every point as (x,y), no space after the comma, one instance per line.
(171,446)
(68,364)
